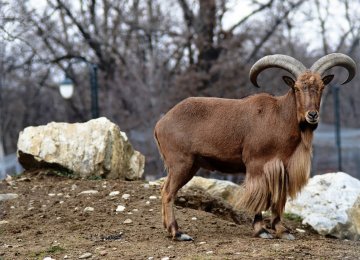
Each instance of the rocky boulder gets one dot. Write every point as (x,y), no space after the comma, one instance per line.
(96,148)
(330,203)
(226,190)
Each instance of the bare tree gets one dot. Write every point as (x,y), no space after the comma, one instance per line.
(153,53)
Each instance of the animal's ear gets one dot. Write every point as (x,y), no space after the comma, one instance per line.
(327,79)
(289,81)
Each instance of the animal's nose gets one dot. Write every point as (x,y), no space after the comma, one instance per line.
(313,114)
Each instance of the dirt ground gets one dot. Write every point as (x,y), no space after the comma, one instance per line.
(48,220)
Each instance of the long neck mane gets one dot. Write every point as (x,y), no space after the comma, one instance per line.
(299,164)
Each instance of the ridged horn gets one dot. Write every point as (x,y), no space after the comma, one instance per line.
(285,62)
(335,59)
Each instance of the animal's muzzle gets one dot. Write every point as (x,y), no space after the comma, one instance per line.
(312,117)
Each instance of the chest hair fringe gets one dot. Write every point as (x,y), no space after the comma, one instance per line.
(271,187)
(299,165)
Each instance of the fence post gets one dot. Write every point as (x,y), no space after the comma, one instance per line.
(337,125)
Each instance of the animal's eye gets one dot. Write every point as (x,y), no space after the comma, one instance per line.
(296,89)
(305,88)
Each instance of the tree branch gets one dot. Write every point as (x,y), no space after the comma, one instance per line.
(188,14)
(322,21)
(243,20)
(93,18)
(95,45)
(271,30)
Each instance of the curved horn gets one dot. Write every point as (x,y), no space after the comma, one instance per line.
(335,59)
(285,62)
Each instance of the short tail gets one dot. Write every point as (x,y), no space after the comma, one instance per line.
(160,150)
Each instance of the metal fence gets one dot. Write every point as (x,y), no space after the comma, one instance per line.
(326,153)
(9,165)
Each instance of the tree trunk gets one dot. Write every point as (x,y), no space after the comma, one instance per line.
(205,27)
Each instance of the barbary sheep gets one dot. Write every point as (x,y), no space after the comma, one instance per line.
(267,137)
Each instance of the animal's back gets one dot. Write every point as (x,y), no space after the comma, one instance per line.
(214,129)
(194,112)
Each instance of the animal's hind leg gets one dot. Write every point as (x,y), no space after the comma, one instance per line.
(277,179)
(277,209)
(276,224)
(259,227)
(178,176)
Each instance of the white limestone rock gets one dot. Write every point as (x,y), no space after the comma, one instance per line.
(330,203)
(120,208)
(128,221)
(48,258)
(96,148)
(226,190)
(8,196)
(126,196)
(114,193)
(85,255)
(88,209)
(88,192)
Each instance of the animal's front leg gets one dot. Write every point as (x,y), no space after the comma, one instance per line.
(259,227)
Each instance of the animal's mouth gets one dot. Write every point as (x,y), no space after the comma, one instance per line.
(312,117)
(312,121)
